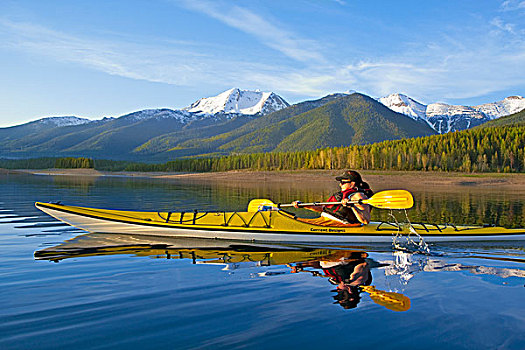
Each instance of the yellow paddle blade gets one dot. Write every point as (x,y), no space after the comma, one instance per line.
(390,300)
(391,199)
(255,204)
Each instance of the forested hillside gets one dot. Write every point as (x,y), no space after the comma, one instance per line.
(499,149)
(342,121)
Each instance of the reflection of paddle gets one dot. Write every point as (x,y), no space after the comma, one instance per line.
(390,199)
(390,300)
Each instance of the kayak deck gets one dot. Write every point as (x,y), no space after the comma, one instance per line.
(272,225)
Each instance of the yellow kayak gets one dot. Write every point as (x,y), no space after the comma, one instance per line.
(263,226)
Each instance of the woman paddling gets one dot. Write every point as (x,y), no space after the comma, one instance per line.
(352,189)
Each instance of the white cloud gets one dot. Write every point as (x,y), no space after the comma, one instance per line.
(270,34)
(498,23)
(513,5)
(175,63)
(448,68)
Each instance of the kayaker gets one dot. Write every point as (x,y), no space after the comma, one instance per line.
(352,188)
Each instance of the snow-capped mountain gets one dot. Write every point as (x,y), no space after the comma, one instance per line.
(510,105)
(62,121)
(446,118)
(206,111)
(236,101)
(405,105)
(163,113)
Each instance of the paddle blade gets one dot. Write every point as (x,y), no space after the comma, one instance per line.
(255,204)
(390,300)
(391,199)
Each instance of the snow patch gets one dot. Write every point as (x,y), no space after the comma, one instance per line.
(164,113)
(62,121)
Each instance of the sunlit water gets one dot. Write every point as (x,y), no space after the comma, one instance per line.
(61,288)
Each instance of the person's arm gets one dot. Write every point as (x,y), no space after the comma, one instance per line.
(317,208)
(361,211)
(360,274)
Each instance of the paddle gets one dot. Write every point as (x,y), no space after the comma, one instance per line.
(390,300)
(390,199)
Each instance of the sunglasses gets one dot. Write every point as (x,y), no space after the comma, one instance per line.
(344,182)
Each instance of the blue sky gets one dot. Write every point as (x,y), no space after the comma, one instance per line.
(107,58)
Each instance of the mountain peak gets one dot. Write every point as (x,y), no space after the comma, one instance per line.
(516,97)
(405,105)
(237,101)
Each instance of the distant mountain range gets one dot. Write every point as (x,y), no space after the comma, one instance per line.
(445,118)
(241,121)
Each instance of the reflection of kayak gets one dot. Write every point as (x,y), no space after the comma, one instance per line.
(217,252)
(203,250)
(271,226)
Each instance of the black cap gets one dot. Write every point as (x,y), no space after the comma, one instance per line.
(349,175)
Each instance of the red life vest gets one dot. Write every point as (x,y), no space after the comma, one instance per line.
(345,213)
(339,196)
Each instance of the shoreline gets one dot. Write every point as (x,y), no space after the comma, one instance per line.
(412,178)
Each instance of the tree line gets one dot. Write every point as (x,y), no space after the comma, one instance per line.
(47,163)
(497,149)
(74,163)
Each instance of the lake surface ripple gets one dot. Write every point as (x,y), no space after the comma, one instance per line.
(61,287)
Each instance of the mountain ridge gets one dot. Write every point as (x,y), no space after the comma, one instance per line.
(340,121)
(219,126)
(445,118)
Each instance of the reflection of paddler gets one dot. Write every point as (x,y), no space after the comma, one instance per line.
(354,272)
(348,270)
(347,296)
(342,266)
(350,274)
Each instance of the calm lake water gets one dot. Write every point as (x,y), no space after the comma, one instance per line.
(61,287)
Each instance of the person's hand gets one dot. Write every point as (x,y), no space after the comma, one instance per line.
(296,204)
(294,269)
(346,202)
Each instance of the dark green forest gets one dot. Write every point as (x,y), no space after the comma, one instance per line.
(491,149)
(498,149)
(74,163)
